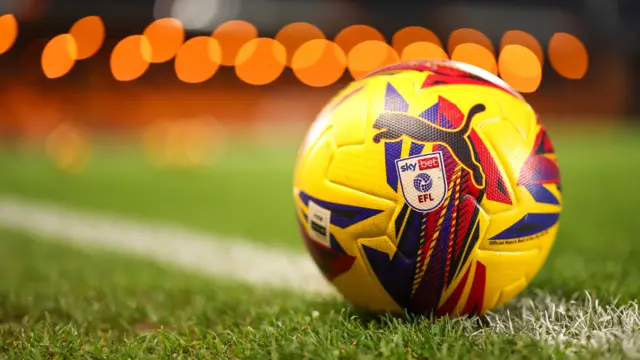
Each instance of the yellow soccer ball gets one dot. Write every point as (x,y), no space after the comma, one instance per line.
(428,187)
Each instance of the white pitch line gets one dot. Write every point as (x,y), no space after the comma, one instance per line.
(236,259)
(571,325)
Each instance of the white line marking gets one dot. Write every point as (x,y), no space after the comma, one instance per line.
(225,257)
(572,325)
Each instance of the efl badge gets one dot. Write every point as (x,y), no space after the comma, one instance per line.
(423,181)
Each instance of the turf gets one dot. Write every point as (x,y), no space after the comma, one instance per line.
(248,191)
(58,301)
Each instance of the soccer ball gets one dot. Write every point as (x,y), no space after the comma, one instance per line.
(428,187)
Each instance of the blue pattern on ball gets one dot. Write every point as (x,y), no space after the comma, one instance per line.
(422,182)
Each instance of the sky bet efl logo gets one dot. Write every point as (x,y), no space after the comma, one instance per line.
(423,181)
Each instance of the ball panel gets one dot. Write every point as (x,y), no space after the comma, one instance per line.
(507,268)
(348,119)
(533,173)
(499,189)
(520,115)
(357,167)
(508,145)
(361,288)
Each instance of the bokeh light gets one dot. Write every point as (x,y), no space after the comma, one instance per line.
(68,148)
(369,56)
(8,32)
(182,145)
(411,35)
(351,36)
(295,35)
(423,50)
(130,58)
(260,61)
(319,62)
(468,36)
(568,56)
(477,55)
(519,37)
(89,33)
(165,36)
(232,36)
(198,59)
(58,56)
(520,68)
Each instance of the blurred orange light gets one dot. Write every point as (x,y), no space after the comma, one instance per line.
(295,34)
(198,59)
(519,37)
(319,62)
(413,34)
(130,58)
(165,36)
(68,148)
(260,61)
(466,36)
(89,34)
(568,56)
(477,55)
(369,56)
(233,35)
(58,56)
(8,32)
(520,68)
(353,35)
(423,50)
(184,144)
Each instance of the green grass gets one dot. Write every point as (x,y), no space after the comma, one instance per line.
(58,301)
(61,302)
(215,198)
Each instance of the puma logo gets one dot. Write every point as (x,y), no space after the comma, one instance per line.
(394,125)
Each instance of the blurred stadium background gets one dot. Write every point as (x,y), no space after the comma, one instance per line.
(123,65)
(99,99)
